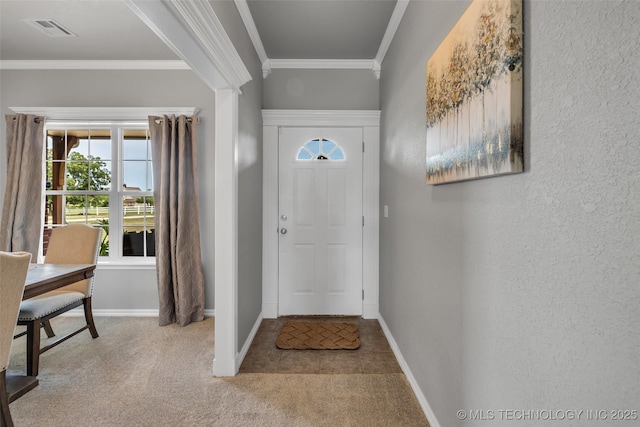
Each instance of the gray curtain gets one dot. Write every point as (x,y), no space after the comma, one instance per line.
(178,257)
(22,207)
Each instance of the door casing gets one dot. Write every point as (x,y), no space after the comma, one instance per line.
(369,121)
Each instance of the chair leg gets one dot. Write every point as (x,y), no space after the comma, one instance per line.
(5,415)
(33,347)
(88,315)
(48,329)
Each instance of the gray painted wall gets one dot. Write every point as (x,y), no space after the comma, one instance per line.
(125,289)
(321,90)
(249,174)
(521,292)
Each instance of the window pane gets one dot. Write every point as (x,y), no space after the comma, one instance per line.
(54,210)
(150,214)
(77,175)
(76,209)
(100,175)
(337,154)
(98,210)
(98,216)
(100,149)
(49,154)
(135,175)
(303,154)
(134,149)
(149,176)
(138,236)
(313,146)
(80,164)
(48,174)
(327,146)
(78,147)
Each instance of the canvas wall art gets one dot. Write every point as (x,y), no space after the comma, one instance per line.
(474,96)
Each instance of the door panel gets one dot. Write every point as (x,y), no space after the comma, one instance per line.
(320,204)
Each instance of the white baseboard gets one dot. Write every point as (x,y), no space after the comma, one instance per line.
(370,311)
(269,310)
(79,312)
(245,348)
(426,408)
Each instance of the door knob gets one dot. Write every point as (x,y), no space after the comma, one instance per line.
(283,230)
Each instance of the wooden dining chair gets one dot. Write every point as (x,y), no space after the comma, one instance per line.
(13,273)
(71,244)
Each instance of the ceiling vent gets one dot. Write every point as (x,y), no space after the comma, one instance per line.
(49,27)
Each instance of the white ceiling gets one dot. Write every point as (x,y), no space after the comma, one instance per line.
(109,31)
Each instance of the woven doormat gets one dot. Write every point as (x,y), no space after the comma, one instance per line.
(296,335)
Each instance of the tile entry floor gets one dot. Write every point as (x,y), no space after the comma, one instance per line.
(373,357)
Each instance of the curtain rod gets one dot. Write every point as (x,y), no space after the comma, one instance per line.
(35,119)
(158,121)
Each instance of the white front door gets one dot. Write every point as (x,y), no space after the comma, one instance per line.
(320,221)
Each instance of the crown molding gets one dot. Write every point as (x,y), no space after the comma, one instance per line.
(250,25)
(374,65)
(325,64)
(329,64)
(266,68)
(194,33)
(93,65)
(104,113)
(390,32)
(321,117)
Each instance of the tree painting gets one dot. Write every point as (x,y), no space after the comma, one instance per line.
(474,95)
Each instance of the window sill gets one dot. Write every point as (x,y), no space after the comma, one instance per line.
(125,265)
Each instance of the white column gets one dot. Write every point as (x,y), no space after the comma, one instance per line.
(226,233)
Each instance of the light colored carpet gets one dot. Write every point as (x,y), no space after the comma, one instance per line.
(140,374)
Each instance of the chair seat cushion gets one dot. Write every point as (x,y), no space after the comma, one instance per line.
(40,306)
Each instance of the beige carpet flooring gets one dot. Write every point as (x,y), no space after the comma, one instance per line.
(139,374)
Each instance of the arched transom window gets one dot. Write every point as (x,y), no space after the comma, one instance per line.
(320,149)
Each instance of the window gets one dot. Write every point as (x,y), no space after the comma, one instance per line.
(320,149)
(101,175)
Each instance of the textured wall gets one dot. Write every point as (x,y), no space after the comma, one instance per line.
(521,292)
(321,90)
(124,289)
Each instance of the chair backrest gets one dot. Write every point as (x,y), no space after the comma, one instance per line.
(13,273)
(75,244)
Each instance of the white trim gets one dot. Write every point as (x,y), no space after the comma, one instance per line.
(226,232)
(94,65)
(374,65)
(196,35)
(103,113)
(313,118)
(377,69)
(329,64)
(426,408)
(371,230)
(392,27)
(108,265)
(79,312)
(369,121)
(210,32)
(254,35)
(245,348)
(250,25)
(270,236)
(266,68)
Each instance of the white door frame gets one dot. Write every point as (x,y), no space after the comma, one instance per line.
(369,121)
